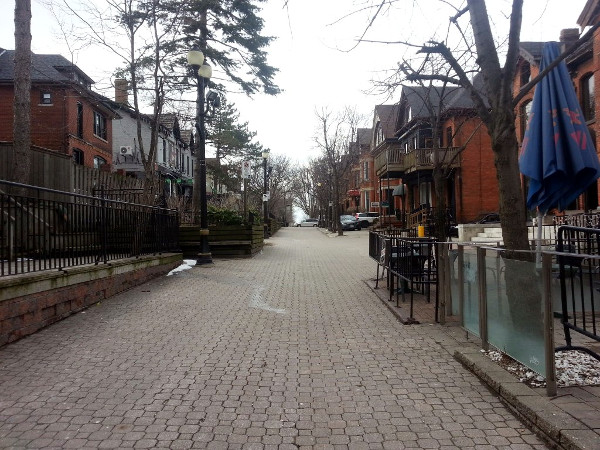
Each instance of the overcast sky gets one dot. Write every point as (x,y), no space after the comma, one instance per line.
(312,53)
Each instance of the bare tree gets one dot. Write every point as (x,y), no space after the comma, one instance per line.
(336,133)
(22,92)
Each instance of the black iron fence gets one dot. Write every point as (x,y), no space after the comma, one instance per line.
(42,229)
(410,264)
(579,284)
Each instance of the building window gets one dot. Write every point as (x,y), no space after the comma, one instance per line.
(100,125)
(46,98)
(378,134)
(187,171)
(79,120)
(366,170)
(98,162)
(78,156)
(525,73)
(449,137)
(524,113)
(588,100)
(164,151)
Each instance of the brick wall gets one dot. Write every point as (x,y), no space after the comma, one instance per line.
(31,302)
(476,183)
(54,126)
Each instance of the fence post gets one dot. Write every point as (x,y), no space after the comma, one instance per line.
(442,280)
(483,331)
(548,324)
(461,283)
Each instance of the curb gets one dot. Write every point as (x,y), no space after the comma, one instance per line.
(556,427)
(548,421)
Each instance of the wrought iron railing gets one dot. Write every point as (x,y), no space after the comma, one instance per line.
(45,229)
(579,285)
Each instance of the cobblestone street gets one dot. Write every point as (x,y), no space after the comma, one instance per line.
(288,349)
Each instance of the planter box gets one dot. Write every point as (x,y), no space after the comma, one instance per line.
(225,241)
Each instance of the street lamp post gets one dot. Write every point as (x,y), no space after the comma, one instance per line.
(265,156)
(202,72)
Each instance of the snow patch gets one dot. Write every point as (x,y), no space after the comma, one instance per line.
(187,264)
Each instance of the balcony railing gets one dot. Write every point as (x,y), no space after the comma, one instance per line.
(397,160)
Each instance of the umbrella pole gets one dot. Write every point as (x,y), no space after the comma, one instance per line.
(538,241)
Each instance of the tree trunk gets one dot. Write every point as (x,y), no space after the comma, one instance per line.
(512,207)
(22,90)
(440,218)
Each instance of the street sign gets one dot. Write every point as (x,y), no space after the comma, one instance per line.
(246,168)
(384,204)
(266,197)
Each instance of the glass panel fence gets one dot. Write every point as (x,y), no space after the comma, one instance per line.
(515,309)
(470,290)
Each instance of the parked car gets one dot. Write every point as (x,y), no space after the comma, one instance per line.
(349,223)
(308,223)
(367,218)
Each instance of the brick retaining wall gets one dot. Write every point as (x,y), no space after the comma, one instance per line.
(31,302)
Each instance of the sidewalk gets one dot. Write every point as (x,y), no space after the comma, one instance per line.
(289,349)
(570,420)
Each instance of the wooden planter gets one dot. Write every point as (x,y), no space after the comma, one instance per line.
(225,241)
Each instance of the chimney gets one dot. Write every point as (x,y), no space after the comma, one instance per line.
(568,36)
(121,91)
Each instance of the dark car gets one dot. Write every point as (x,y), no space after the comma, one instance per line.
(349,223)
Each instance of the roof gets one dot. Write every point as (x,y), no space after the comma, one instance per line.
(44,68)
(387,117)
(531,51)
(416,97)
(363,136)
(590,14)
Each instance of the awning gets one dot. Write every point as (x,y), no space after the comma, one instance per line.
(399,190)
(353,193)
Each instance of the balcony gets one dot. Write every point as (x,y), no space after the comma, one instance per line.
(396,160)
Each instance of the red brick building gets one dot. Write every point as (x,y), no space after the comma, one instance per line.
(66,116)
(405,155)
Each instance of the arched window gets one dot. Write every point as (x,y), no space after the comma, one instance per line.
(525,73)
(588,100)
(378,134)
(98,162)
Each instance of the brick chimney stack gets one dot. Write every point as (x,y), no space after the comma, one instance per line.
(121,95)
(568,36)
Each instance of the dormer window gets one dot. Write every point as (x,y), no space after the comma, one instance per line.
(46,98)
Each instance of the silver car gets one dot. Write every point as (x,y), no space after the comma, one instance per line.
(308,223)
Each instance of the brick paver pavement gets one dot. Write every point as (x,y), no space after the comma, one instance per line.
(288,349)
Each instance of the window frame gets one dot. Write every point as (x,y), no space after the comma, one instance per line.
(46,98)
(100,126)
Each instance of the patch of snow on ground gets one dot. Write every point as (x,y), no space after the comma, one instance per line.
(187,264)
(573,368)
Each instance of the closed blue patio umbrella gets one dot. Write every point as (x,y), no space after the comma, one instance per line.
(558,155)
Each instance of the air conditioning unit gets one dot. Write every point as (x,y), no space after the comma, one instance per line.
(125,150)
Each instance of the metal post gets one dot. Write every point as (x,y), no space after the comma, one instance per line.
(483,319)
(548,325)
(204,256)
(265,206)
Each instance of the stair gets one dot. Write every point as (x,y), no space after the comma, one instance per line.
(490,235)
